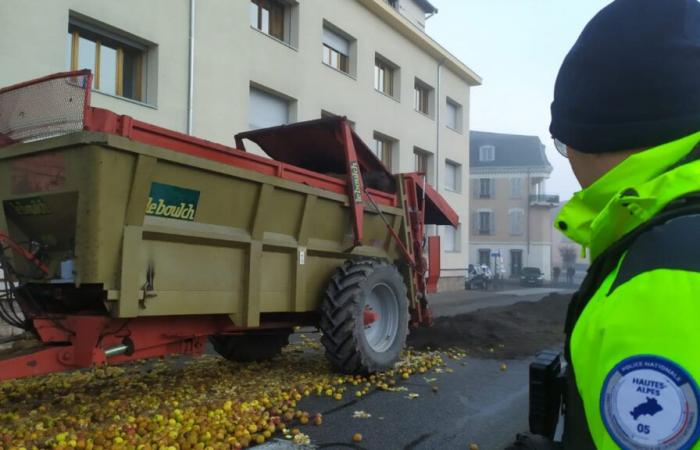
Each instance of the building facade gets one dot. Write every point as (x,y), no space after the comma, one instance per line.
(218,67)
(510,209)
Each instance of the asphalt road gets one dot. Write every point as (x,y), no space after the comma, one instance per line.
(481,402)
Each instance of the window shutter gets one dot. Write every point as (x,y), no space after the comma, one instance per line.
(492,223)
(512,222)
(475,223)
(492,186)
(476,188)
(521,222)
(267,110)
(336,42)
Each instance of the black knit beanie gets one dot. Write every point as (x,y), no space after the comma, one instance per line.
(632,80)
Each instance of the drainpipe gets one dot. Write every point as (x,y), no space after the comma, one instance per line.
(438,104)
(190,86)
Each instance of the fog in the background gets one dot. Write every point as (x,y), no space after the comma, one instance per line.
(516,46)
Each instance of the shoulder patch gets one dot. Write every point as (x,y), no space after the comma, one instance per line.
(649,402)
(672,245)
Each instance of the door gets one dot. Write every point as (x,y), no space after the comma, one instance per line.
(485,257)
(516,262)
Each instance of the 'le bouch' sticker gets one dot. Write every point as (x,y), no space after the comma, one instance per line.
(650,402)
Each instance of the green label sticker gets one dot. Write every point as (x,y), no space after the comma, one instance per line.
(34,206)
(172,202)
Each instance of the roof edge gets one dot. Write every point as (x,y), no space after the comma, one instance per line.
(419,37)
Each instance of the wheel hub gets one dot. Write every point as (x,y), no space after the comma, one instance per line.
(381,318)
(369,316)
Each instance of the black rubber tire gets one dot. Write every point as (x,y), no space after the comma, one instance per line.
(250,347)
(342,316)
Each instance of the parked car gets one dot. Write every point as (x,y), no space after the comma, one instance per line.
(531,276)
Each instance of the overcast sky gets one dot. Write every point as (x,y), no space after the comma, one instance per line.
(516,46)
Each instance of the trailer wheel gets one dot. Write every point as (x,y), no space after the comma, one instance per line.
(364,317)
(250,347)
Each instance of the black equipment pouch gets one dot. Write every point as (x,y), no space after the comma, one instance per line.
(546,384)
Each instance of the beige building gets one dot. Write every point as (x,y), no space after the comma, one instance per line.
(217,67)
(510,210)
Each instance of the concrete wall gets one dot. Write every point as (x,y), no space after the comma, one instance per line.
(230,56)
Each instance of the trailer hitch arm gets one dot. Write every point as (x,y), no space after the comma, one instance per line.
(355,185)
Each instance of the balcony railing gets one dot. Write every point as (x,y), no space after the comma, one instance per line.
(544,200)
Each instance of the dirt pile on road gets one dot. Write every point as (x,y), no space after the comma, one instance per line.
(509,332)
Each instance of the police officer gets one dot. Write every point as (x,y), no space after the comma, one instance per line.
(626,113)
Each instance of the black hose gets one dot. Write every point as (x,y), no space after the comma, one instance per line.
(9,305)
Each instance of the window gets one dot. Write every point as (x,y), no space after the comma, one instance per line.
(385,77)
(485,257)
(487,153)
(485,190)
(517,222)
(336,50)
(454,115)
(516,188)
(117,63)
(383,147)
(267,109)
(422,161)
(453,175)
(485,223)
(451,239)
(268,16)
(422,94)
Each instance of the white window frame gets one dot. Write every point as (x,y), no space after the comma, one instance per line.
(457,167)
(84,28)
(290,21)
(487,153)
(390,70)
(391,143)
(338,41)
(454,115)
(420,87)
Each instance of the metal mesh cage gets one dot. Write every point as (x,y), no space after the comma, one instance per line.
(44,108)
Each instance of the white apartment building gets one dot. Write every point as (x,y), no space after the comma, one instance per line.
(511,219)
(218,67)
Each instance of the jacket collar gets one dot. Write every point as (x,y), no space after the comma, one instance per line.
(629,195)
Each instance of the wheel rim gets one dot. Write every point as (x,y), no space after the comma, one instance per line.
(381,332)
